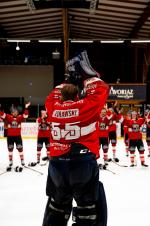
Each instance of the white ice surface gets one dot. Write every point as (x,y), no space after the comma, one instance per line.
(23,199)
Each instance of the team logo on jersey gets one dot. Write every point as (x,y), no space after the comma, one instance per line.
(14,124)
(43,126)
(102,126)
(135,127)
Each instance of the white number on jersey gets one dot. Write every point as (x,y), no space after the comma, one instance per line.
(70,132)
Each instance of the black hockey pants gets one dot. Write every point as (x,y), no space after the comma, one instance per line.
(74,175)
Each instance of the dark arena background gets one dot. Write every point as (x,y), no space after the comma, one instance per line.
(37,37)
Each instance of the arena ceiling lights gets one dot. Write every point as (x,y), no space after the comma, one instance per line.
(81,41)
(13,40)
(91,41)
(50,41)
(109,41)
(140,41)
(112,41)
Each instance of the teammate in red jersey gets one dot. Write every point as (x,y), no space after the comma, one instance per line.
(103,134)
(2,120)
(113,118)
(135,138)
(74,147)
(147,122)
(14,121)
(125,128)
(43,135)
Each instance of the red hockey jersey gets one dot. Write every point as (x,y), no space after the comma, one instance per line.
(14,123)
(43,127)
(125,124)
(76,121)
(147,120)
(103,126)
(112,117)
(134,129)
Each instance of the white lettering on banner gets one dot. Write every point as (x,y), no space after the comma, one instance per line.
(71,131)
(65,113)
(122,93)
(1,129)
(29,129)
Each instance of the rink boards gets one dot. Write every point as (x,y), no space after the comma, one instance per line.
(30,129)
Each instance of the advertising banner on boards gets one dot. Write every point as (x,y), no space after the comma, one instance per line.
(127,92)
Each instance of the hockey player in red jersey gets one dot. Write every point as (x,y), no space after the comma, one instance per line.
(125,128)
(112,117)
(103,134)
(14,121)
(4,121)
(43,135)
(135,138)
(74,147)
(147,122)
(1,120)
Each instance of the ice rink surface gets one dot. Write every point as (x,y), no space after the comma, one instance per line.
(23,199)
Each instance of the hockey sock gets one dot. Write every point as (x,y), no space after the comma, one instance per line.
(132,156)
(127,149)
(114,150)
(105,154)
(48,152)
(20,150)
(10,155)
(142,158)
(38,154)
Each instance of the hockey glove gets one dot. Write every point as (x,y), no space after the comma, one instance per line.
(79,69)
